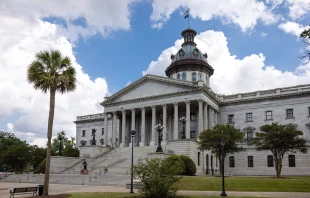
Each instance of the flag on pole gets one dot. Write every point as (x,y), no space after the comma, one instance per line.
(186,14)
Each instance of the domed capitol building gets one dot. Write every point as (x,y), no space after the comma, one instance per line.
(105,139)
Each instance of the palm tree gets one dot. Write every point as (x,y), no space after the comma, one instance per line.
(52,72)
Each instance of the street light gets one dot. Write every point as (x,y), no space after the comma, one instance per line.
(159,129)
(133,133)
(183,120)
(223,194)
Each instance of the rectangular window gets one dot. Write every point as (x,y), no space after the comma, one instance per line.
(231,161)
(289,113)
(249,117)
(102,131)
(198,158)
(270,161)
(193,135)
(193,117)
(230,119)
(291,161)
(83,133)
(249,137)
(250,161)
(268,115)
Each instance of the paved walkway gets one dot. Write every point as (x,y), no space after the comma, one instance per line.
(5,188)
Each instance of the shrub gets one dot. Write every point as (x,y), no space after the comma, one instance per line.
(190,167)
(155,182)
(173,165)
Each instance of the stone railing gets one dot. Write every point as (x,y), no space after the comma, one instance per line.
(265,93)
(90,117)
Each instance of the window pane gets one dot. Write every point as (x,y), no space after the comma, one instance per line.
(268,115)
(270,161)
(183,76)
(232,161)
(250,161)
(289,113)
(194,76)
(230,118)
(249,117)
(178,76)
(291,160)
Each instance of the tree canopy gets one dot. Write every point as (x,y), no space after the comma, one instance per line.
(305,36)
(17,156)
(279,139)
(211,140)
(68,146)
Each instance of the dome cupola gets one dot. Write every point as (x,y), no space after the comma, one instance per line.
(189,63)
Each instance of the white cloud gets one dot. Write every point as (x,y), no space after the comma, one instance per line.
(292,28)
(244,13)
(264,34)
(274,3)
(99,16)
(10,127)
(298,8)
(234,75)
(21,38)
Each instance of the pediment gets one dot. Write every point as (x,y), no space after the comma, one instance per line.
(150,86)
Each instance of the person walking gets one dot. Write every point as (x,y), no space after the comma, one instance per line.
(105,168)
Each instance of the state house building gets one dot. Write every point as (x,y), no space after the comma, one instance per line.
(186,92)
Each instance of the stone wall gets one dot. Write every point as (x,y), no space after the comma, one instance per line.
(60,163)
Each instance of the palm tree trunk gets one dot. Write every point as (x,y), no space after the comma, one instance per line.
(49,137)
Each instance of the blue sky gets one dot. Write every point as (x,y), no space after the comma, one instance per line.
(251,44)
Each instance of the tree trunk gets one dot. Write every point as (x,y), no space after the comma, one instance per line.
(49,137)
(278,165)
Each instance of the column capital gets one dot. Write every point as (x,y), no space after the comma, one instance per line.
(153,106)
(114,113)
(175,103)
(187,101)
(142,108)
(132,109)
(164,105)
(200,100)
(123,110)
(105,113)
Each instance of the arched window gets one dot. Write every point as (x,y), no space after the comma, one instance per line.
(199,76)
(194,76)
(183,76)
(179,76)
(188,38)
(231,161)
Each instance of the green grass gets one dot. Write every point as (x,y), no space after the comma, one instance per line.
(124,195)
(250,184)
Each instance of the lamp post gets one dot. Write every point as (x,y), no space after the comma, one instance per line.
(159,129)
(183,120)
(133,133)
(223,194)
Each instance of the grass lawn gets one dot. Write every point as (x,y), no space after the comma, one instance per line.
(250,184)
(123,195)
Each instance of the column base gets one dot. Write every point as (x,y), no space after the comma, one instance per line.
(142,144)
(122,145)
(152,143)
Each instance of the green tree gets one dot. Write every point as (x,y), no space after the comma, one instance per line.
(52,72)
(155,182)
(211,140)
(37,156)
(70,149)
(279,139)
(305,37)
(67,145)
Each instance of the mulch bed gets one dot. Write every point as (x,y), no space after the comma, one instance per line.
(54,196)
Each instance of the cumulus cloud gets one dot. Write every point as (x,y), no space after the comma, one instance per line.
(21,39)
(292,28)
(10,127)
(298,8)
(245,13)
(96,16)
(234,75)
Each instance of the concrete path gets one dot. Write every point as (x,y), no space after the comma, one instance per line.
(5,188)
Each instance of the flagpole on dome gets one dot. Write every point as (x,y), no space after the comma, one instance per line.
(186,15)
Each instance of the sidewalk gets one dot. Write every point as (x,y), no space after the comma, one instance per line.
(62,189)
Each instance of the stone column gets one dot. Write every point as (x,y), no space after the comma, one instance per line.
(133,125)
(200,117)
(114,130)
(205,117)
(188,123)
(123,144)
(176,121)
(105,143)
(142,142)
(165,125)
(210,117)
(152,143)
